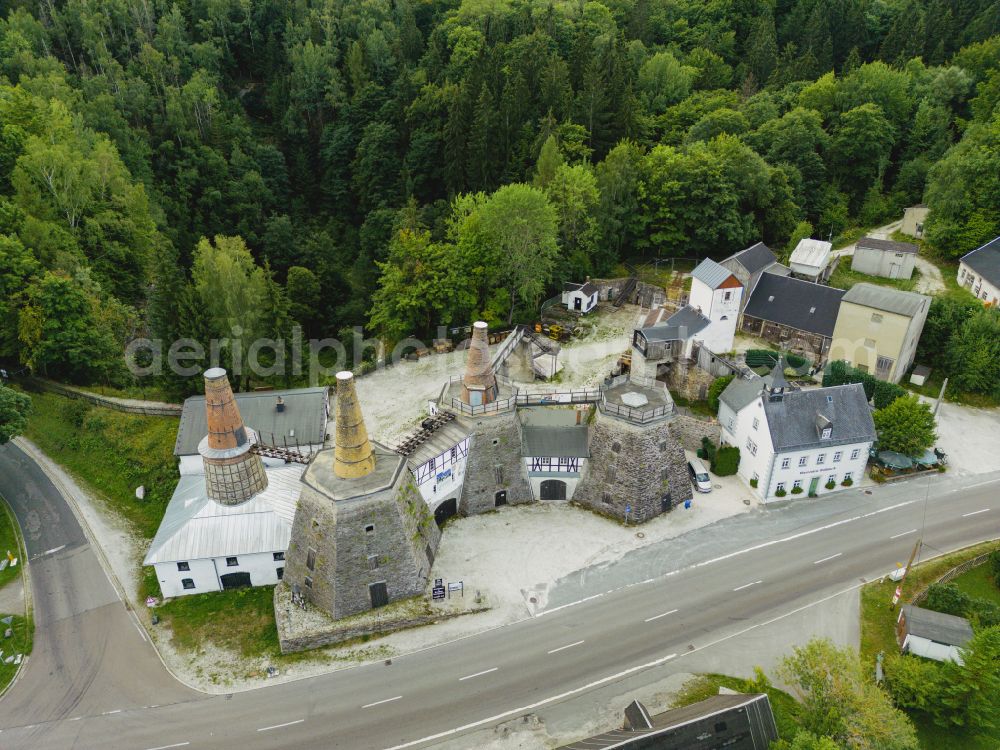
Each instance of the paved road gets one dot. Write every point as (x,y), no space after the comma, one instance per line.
(645,630)
(89,655)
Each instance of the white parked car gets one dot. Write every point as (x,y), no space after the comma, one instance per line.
(699,476)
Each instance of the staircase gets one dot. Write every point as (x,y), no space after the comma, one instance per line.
(427,428)
(286,454)
(633,281)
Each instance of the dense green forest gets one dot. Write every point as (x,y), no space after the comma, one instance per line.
(173,169)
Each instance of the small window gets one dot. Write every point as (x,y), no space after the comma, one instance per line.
(803,461)
(827,433)
(370,529)
(183,566)
(727,296)
(855,453)
(612,474)
(663,446)
(785,463)
(498,475)
(606,498)
(848,475)
(755,477)
(797,484)
(616,447)
(780,487)
(187,583)
(372,562)
(311,559)
(664,475)
(832,479)
(820,459)
(308,582)
(876,318)
(315,525)
(837,456)
(281,573)
(232,562)
(278,556)
(756,423)
(812,310)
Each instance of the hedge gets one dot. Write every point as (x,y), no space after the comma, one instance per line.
(879,392)
(726,461)
(769,358)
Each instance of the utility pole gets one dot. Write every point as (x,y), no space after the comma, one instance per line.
(899,588)
(940,397)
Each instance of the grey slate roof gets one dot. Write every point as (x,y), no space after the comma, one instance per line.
(305,414)
(985,261)
(742,391)
(561,442)
(887,298)
(795,303)
(711,273)
(441,440)
(937,626)
(792,421)
(755,258)
(889,246)
(586,288)
(683,324)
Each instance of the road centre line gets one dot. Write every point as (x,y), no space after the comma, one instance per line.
(379,703)
(563,648)
(108,713)
(478,674)
(167,747)
(827,559)
(657,617)
(279,726)
(975,512)
(730,555)
(747,585)
(911,531)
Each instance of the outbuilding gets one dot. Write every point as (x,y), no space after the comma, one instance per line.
(580,298)
(933,635)
(811,260)
(886,258)
(979,272)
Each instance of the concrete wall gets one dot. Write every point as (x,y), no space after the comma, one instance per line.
(883,263)
(496,443)
(205,573)
(635,466)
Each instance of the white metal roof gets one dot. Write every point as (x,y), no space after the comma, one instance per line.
(711,273)
(196,527)
(812,253)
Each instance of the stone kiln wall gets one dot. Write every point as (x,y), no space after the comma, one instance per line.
(689,431)
(496,444)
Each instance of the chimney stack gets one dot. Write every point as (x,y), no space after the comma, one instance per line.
(233,474)
(479,385)
(353,456)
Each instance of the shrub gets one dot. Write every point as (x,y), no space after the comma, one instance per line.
(830,485)
(76,411)
(754,482)
(995,567)
(780,493)
(796,490)
(769,358)
(726,461)
(715,390)
(947,598)
(847,482)
(707,450)
(880,392)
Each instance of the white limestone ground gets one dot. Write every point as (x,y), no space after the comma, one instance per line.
(967,435)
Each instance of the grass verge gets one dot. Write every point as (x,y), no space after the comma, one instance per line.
(21,625)
(113,453)
(845,278)
(878,633)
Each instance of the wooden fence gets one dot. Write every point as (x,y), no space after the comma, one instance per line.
(952,574)
(128,405)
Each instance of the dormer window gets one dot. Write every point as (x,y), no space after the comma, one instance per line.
(827,433)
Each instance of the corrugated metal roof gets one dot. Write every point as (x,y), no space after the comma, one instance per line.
(936,626)
(196,527)
(560,442)
(888,299)
(812,253)
(305,414)
(443,439)
(710,273)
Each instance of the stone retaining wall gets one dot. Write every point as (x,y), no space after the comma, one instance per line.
(689,431)
(129,406)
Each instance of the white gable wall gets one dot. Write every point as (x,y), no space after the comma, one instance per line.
(205,573)
(587,301)
(722,308)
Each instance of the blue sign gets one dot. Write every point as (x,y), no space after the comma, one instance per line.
(628,507)
(444,474)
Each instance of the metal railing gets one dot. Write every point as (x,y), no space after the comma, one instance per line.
(638,415)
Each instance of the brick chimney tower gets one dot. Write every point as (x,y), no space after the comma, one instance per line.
(233,474)
(479,384)
(353,455)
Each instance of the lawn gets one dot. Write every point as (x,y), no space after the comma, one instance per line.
(845,278)
(878,623)
(113,453)
(23,631)
(8,543)
(979,583)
